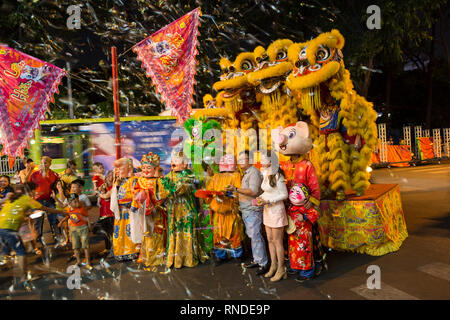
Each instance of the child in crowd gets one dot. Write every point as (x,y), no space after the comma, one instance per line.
(79,231)
(5,189)
(76,187)
(59,197)
(99,175)
(68,176)
(105,224)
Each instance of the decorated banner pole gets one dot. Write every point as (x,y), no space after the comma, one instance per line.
(116,100)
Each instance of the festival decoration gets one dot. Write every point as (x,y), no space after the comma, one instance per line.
(204,194)
(168,56)
(27,85)
(200,146)
(344,128)
(372,224)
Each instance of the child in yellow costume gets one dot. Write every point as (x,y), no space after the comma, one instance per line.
(227,223)
(343,123)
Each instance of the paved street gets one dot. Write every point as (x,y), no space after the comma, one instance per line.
(419,270)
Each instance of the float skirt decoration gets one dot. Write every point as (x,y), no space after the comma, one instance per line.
(372,224)
(27,85)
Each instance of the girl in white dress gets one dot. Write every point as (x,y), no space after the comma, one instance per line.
(274,216)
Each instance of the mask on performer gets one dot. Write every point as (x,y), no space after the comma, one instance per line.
(227,163)
(149,165)
(299,194)
(124,167)
(178,162)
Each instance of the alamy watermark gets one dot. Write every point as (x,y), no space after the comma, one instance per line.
(374,20)
(74,19)
(73,281)
(374,281)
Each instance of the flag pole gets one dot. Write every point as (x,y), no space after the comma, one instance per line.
(116,100)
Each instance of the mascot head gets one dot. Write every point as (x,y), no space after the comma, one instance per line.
(315,61)
(234,75)
(273,66)
(149,165)
(294,139)
(178,161)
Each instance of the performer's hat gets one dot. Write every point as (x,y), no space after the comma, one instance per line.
(150,158)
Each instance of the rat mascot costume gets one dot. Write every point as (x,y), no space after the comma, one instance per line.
(295,141)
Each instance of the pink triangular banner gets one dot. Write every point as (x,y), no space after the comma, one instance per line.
(168,56)
(27,85)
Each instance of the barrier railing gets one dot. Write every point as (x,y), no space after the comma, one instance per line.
(427,146)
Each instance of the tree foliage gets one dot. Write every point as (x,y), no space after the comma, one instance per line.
(227,28)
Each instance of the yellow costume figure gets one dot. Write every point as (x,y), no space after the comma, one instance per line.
(182,222)
(146,194)
(121,199)
(227,223)
(343,123)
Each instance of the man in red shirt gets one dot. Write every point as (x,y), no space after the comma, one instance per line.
(45,179)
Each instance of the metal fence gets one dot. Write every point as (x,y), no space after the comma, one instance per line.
(441,147)
(5,169)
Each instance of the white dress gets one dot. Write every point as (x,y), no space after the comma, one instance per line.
(274,214)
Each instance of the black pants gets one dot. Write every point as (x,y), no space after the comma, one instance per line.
(105,227)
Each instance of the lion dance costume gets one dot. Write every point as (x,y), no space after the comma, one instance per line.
(345,131)
(269,88)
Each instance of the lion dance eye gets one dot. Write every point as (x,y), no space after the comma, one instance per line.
(322,54)
(281,55)
(302,53)
(246,65)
